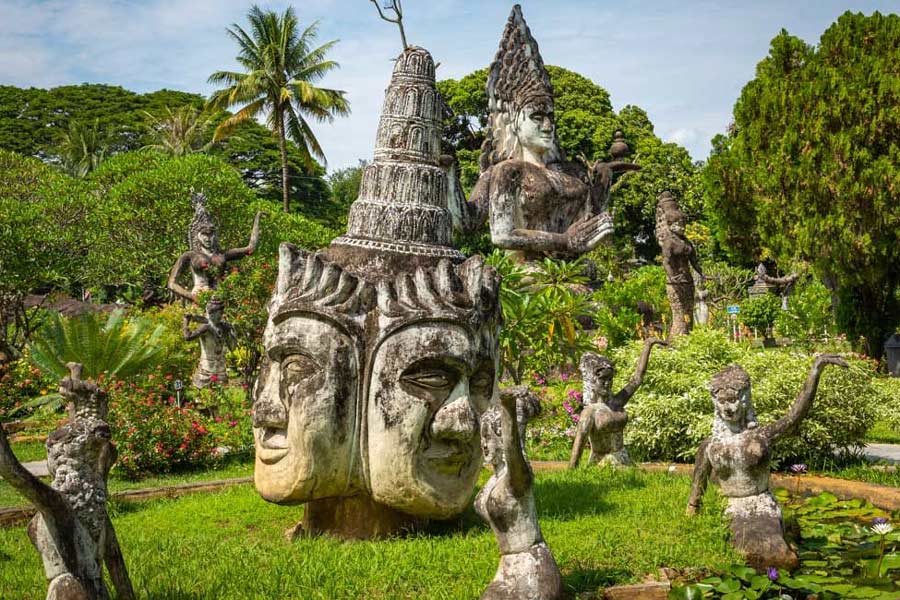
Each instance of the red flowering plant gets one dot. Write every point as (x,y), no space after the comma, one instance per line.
(549,435)
(21,384)
(229,415)
(246,290)
(152,433)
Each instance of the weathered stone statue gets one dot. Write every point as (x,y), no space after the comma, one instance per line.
(603,419)
(737,456)
(763,284)
(701,311)
(678,256)
(72,531)
(380,350)
(538,203)
(205,259)
(216,337)
(527,569)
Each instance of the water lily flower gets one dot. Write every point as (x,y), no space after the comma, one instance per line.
(882,528)
(772,573)
(798,469)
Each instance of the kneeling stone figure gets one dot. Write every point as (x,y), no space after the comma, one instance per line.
(737,454)
(527,570)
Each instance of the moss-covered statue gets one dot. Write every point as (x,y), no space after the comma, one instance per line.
(737,455)
(603,419)
(538,203)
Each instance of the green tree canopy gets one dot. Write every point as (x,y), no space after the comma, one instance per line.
(586,124)
(811,168)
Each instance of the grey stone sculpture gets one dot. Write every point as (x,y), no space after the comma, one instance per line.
(737,456)
(763,284)
(527,568)
(72,531)
(205,258)
(678,257)
(537,202)
(216,337)
(381,349)
(603,419)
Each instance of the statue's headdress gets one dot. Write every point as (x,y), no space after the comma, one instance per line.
(202,221)
(667,212)
(517,78)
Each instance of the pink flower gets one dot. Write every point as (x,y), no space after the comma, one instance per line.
(232,423)
(213,378)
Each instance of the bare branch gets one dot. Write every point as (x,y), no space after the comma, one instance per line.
(393,5)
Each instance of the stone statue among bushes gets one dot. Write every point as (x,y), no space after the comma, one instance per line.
(380,351)
(603,419)
(737,456)
(527,568)
(678,257)
(537,202)
(205,259)
(216,337)
(72,530)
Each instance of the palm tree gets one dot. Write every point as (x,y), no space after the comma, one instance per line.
(83,147)
(282,69)
(179,132)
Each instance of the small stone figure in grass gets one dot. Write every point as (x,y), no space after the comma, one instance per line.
(603,419)
(527,569)
(72,531)
(216,336)
(205,259)
(737,456)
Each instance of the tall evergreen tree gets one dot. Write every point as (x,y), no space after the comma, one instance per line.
(813,162)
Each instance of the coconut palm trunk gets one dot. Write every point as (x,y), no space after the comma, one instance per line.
(282,147)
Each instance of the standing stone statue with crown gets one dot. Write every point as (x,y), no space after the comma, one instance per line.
(380,350)
(538,203)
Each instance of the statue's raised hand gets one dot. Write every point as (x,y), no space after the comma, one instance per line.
(829,359)
(589,233)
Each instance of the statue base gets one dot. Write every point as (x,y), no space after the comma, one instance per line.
(356,518)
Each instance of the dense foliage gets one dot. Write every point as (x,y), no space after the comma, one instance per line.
(811,167)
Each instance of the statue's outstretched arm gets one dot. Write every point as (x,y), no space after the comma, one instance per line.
(585,420)
(520,476)
(702,469)
(236,253)
(186,330)
(467,215)
(183,261)
(44,498)
(803,403)
(695,262)
(624,395)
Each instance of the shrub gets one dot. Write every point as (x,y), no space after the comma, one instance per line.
(759,313)
(151,433)
(672,411)
(617,317)
(809,312)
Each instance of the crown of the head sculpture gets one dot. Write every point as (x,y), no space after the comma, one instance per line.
(381,349)
(401,213)
(203,234)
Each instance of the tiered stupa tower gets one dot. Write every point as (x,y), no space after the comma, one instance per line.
(401,212)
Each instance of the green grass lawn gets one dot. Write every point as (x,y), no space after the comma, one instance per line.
(604,528)
(29,451)
(228,469)
(883,433)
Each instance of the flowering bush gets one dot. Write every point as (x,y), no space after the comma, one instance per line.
(20,384)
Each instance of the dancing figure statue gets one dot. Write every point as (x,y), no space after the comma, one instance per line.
(538,204)
(205,259)
(737,455)
(603,419)
(72,530)
(215,337)
(527,568)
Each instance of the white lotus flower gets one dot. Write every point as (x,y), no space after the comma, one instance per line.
(882,528)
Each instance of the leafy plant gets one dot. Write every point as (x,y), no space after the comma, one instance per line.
(759,313)
(118,347)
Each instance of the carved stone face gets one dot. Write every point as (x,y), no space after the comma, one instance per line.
(207,238)
(304,413)
(535,126)
(731,405)
(491,440)
(429,383)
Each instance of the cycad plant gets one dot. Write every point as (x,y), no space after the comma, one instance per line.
(114,346)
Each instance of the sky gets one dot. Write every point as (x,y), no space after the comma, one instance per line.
(683,61)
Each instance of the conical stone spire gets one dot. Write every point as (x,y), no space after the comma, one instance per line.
(402,203)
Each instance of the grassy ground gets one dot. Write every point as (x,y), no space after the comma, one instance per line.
(883,433)
(226,470)
(604,528)
(29,451)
